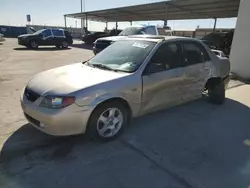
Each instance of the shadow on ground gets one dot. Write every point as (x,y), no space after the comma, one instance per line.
(82,46)
(194,145)
(41,49)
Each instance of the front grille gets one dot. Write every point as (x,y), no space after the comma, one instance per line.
(31,95)
(32,120)
(101,44)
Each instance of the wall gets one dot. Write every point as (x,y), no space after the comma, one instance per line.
(12,31)
(240,51)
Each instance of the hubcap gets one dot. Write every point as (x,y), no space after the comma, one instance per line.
(109,122)
(33,44)
(64,44)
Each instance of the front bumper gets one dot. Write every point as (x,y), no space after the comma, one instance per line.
(70,120)
(22,42)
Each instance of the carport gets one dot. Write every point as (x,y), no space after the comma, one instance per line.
(182,10)
(164,10)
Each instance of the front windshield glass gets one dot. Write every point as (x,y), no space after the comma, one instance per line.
(124,56)
(38,32)
(131,31)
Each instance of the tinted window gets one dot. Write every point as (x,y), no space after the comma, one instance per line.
(57,33)
(124,55)
(193,53)
(150,30)
(67,34)
(131,31)
(167,56)
(46,33)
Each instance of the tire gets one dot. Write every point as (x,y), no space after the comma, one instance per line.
(216,93)
(33,44)
(64,44)
(58,46)
(111,129)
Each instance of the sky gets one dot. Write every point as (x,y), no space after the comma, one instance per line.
(50,12)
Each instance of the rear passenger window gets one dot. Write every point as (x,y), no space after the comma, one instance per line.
(57,33)
(194,54)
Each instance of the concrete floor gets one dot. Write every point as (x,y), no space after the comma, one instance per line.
(190,146)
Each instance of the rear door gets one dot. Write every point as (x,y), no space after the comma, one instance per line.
(196,70)
(162,78)
(58,36)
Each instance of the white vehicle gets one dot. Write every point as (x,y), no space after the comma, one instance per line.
(1,37)
(101,43)
(219,53)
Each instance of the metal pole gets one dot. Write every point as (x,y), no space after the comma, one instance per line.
(81,20)
(86,22)
(65,22)
(117,18)
(215,22)
(166,17)
(130,22)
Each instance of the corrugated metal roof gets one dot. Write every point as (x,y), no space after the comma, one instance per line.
(171,10)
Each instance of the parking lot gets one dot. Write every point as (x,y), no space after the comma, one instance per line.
(190,146)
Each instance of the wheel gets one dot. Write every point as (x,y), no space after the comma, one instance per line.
(107,121)
(33,44)
(58,46)
(64,44)
(216,93)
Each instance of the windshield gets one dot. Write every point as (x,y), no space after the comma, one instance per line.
(40,31)
(124,56)
(131,31)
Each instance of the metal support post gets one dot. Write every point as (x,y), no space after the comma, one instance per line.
(215,22)
(65,22)
(166,17)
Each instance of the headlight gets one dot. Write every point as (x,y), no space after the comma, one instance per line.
(57,102)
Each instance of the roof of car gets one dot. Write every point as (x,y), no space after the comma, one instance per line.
(158,38)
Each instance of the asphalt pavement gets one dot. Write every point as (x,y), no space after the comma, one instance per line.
(196,145)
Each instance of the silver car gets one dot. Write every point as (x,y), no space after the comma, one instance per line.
(131,77)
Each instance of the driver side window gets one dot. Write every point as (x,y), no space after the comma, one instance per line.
(46,33)
(166,57)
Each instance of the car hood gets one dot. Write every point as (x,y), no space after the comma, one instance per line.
(25,35)
(112,38)
(71,78)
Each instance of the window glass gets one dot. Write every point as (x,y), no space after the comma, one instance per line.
(167,56)
(131,31)
(46,33)
(150,30)
(57,33)
(193,54)
(125,55)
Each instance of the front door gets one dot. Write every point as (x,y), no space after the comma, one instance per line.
(162,78)
(47,38)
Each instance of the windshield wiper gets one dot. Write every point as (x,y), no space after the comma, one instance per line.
(102,66)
